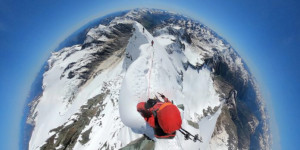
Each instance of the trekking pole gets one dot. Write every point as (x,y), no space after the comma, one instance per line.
(188,134)
(196,137)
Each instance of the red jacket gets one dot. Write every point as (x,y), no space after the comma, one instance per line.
(149,116)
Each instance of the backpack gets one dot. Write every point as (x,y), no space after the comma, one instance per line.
(169,118)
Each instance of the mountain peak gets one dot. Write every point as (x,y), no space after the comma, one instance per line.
(91,90)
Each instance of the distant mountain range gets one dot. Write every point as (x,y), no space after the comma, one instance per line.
(98,75)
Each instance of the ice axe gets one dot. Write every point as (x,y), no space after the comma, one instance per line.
(161,95)
(156,97)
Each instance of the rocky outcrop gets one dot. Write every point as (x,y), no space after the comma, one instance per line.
(242,104)
(117,40)
(235,84)
(139,144)
(225,134)
(66,136)
(243,122)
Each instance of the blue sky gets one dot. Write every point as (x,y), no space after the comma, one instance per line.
(265,33)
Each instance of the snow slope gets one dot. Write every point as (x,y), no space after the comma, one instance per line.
(63,96)
(155,70)
(130,76)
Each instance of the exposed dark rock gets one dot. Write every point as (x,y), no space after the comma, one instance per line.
(180,106)
(65,137)
(242,98)
(78,36)
(241,104)
(142,143)
(193,124)
(121,32)
(71,74)
(225,124)
(95,42)
(185,36)
(209,111)
(222,87)
(68,67)
(242,116)
(85,136)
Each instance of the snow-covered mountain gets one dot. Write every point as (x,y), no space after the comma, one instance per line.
(90,90)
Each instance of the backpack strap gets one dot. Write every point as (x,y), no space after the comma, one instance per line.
(154,112)
(163,106)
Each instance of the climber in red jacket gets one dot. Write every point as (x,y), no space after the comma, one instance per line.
(163,117)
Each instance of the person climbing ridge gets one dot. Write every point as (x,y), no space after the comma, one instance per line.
(143,29)
(152,43)
(163,117)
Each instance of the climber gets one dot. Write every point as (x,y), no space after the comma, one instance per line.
(163,117)
(152,43)
(143,30)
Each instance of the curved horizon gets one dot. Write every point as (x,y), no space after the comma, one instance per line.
(77,32)
(236,36)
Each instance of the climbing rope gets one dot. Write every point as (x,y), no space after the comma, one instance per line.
(150,70)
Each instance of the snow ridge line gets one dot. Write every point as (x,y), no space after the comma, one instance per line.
(150,70)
